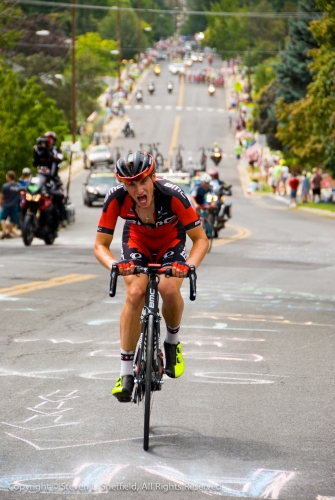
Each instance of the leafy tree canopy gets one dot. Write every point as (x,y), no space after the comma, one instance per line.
(25,114)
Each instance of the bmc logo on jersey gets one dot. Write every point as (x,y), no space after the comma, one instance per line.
(113,189)
(175,188)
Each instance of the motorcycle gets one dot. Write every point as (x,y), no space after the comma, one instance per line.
(157,70)
(170,87)
(151,88)
(211,89)
(139,96)
(220,210)
(128,130)
(39,212)
(216,155)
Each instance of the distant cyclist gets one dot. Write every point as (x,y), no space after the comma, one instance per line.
(199,192)
(158,216)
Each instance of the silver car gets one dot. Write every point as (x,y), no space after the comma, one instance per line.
(98,155)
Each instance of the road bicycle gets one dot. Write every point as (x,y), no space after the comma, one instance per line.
(148,359)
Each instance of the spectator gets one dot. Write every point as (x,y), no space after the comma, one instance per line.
(293,183)
(304,187)
(316,183)
(238,149)
(276,176)
(25,177)
(9,200)
(284,175)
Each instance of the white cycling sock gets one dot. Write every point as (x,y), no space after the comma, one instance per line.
(172,335)
(127,359)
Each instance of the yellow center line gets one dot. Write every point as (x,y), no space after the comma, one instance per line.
(241,234)
(174,135)
(181,93)
(176,126)
(40,285)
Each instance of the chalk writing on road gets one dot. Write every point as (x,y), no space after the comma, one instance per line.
(50,412)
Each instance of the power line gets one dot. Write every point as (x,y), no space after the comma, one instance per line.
(263,15)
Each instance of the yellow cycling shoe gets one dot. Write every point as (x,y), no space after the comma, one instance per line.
(174,366)
(124,388)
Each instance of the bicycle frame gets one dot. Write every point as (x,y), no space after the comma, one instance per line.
(148,361)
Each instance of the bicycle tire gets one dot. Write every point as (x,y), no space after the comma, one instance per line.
(148,377)
(209,233)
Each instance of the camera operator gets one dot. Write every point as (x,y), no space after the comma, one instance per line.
(47,154)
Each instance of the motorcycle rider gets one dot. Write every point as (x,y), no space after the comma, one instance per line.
(170,86)
(47,154)
(151,86)
(198,194)
(128,126)
(215,182)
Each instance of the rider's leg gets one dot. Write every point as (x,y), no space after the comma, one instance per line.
(129,334)
(172,310)
(131,313)
(173,303)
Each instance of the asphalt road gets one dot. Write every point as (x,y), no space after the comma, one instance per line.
(253,414)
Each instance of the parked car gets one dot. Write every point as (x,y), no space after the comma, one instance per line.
(98,155)
(97,186)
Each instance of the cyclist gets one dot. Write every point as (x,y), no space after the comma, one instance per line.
(158,216)
(198,194)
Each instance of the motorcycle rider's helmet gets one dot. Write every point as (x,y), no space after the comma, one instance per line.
(26,171)
(190,159)
(205,178)
(134,167)
(215,145)
(51,134)
(213,172)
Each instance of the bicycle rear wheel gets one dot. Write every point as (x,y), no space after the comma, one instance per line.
(148,380)
(209,233)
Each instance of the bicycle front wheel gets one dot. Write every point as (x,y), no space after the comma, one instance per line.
(148,380)
(209,233)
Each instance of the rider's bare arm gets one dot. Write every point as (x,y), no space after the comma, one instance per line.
(102,251)
(199,247)
(105,256)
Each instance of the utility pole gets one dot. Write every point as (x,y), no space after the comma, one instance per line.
(73,79)
(119,45)
(139,35)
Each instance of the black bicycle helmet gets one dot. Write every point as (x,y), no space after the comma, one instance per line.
(134,167)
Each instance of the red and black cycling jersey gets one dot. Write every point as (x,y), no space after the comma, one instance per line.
(172,208)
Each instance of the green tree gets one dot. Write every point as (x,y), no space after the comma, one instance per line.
(129,30)
(93,61)
(9,14)
(308,125)
(265,121)
(227,34)
(25,114)
(292,72)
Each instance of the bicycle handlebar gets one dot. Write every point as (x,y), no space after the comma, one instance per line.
(146,270)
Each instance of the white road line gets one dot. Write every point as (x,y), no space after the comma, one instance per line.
(168,107)
(210,109)
(147,106)
(189,108)
(138,106)
(158,106)
(221,110)
(127,106)
(198,109)
(179,108)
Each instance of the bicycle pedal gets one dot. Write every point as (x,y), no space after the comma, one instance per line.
(125,399)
